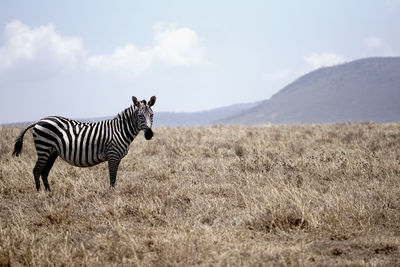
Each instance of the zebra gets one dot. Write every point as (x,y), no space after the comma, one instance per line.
(85,144)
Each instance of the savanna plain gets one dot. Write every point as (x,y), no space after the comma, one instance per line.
(217,195)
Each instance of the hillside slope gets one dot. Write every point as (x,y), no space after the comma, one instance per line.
(361,90)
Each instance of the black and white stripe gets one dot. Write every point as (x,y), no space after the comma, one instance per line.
(87,144)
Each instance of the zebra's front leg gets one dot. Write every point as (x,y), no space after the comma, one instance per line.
(113,168)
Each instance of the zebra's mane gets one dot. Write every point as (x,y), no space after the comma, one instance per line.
(125,113)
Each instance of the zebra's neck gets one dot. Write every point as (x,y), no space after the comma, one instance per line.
(127,124)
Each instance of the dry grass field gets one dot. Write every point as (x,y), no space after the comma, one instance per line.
(218,195)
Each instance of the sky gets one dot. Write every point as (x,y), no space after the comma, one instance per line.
(85,59)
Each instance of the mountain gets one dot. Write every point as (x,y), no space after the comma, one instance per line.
(362,90)
(201,117)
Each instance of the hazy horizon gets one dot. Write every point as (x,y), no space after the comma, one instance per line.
(86,60)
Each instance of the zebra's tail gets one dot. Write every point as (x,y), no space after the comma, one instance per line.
(19,141)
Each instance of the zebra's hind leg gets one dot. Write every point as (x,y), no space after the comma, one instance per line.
(37,170)
(43,157)
(47,168)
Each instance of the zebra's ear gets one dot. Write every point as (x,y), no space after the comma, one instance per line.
(152,101)
(135,101)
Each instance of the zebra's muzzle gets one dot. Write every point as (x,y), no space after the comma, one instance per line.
(148,134)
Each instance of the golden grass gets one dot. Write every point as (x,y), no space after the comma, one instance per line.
(222,195)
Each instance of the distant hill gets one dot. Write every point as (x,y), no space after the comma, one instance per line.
(200,118)
(180,118)
(361,90)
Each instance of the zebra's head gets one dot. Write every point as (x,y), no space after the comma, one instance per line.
(145,115)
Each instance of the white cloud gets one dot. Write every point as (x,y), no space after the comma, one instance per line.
(277,75)
(127,59)
(38,48)
(178,46)
(376,46)
(315,60)
(172,46)
(34,53)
